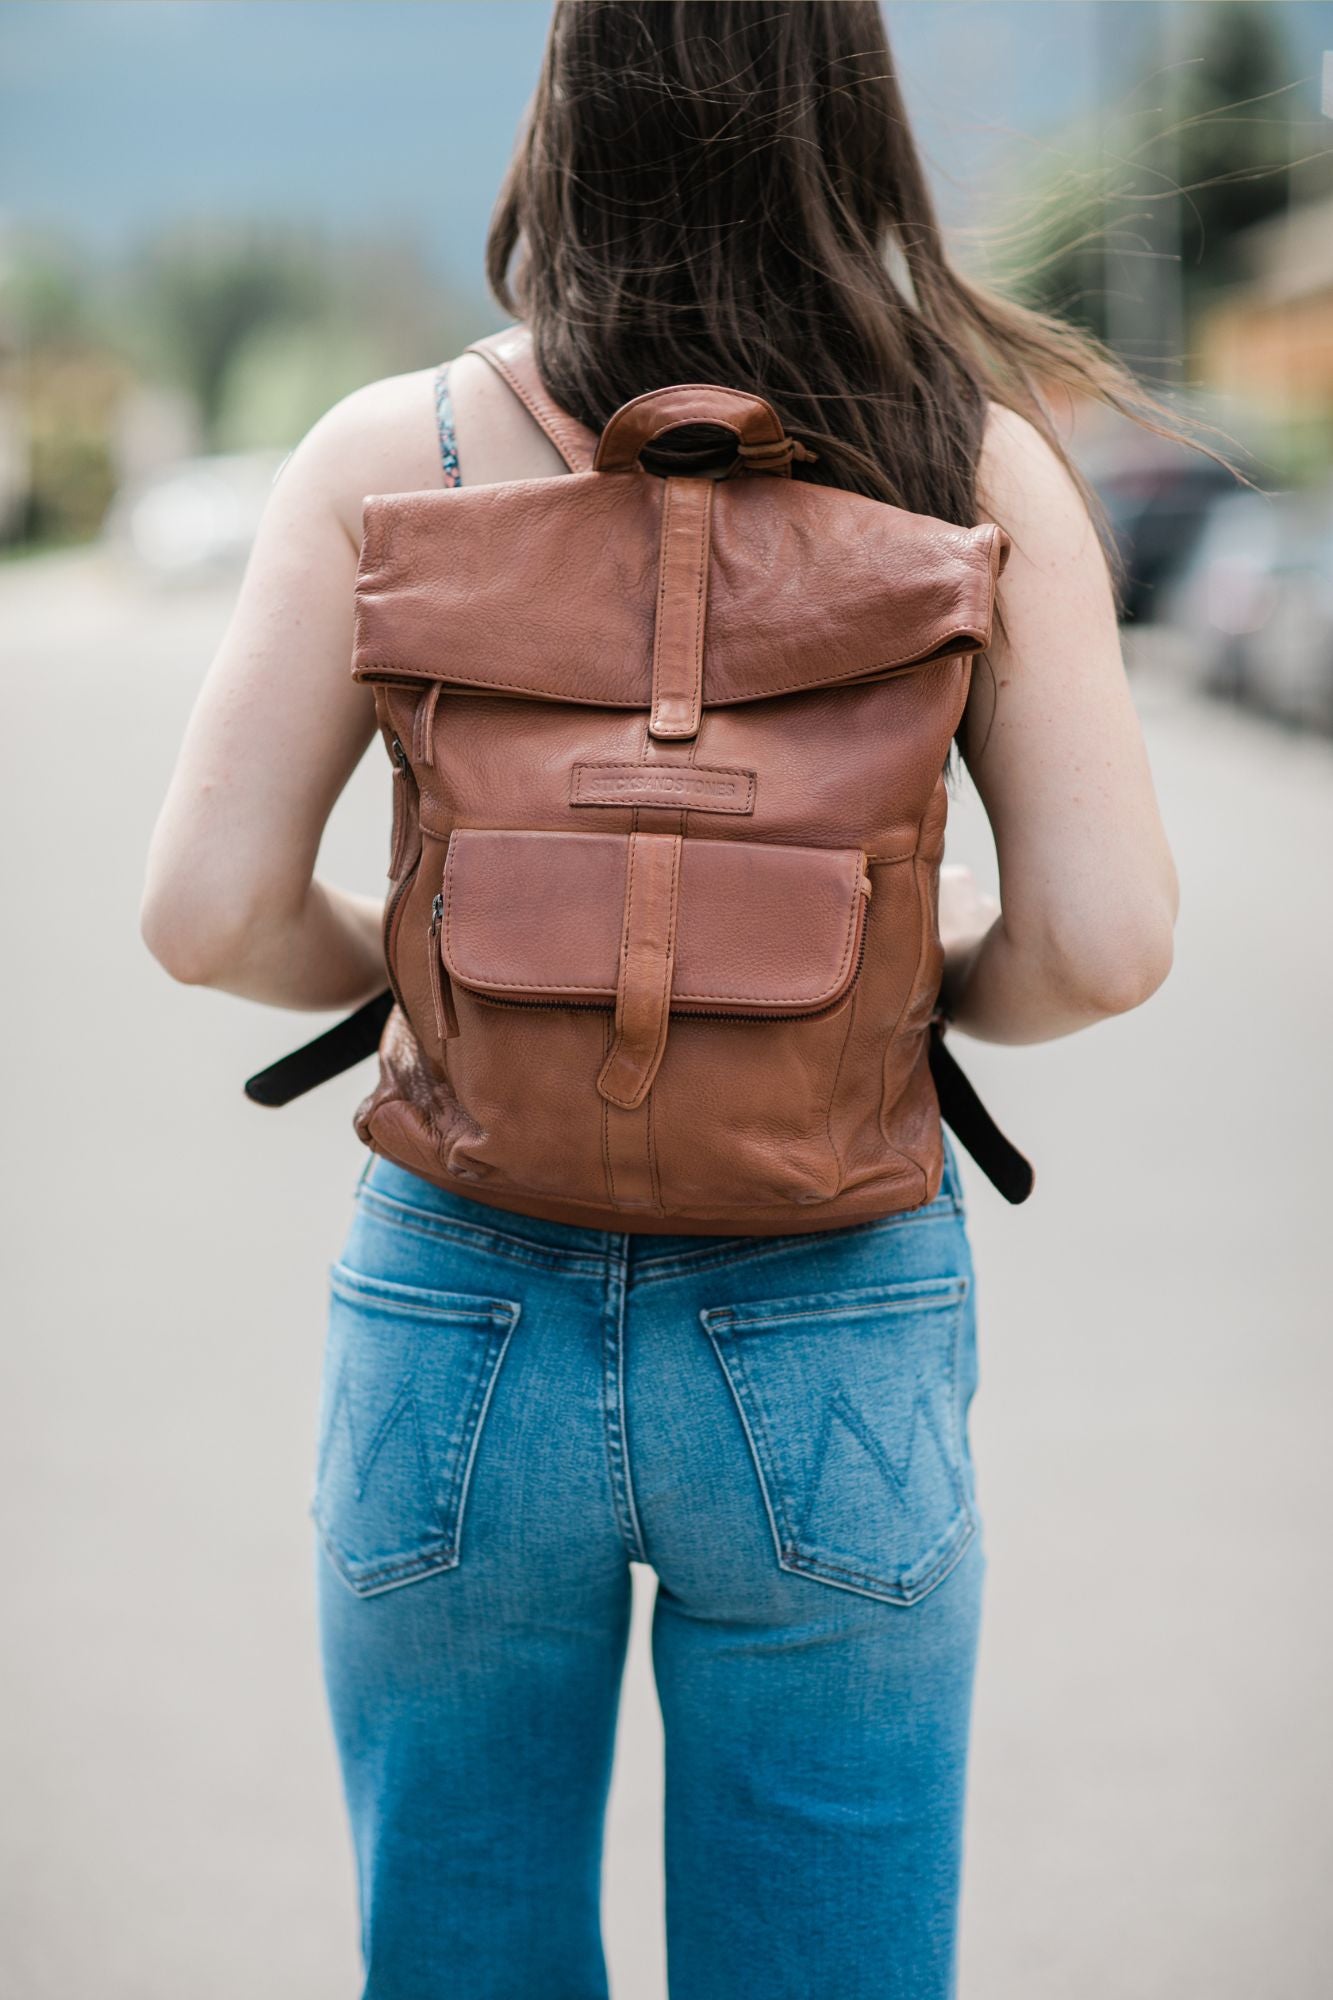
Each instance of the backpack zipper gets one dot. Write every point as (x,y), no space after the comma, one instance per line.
(391,909)
(446,1020)
(402,881)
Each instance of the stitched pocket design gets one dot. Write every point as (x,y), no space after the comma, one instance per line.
(408,1376)
(852,1406)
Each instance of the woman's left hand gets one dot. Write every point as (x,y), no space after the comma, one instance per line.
(967,912)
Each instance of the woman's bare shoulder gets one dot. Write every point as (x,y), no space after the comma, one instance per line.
(381,438)
(1023,483)
(384,438)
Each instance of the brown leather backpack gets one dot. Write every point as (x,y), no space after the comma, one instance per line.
(667,826)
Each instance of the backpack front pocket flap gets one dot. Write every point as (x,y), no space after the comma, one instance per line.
(762,929)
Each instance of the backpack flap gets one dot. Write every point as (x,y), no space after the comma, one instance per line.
(806,587)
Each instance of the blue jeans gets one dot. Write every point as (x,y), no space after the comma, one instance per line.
(513,1412)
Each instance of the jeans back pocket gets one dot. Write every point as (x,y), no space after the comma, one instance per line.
(854,1406)
(408,1376)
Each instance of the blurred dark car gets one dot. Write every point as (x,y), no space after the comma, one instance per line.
(1157,497)
(1256,598)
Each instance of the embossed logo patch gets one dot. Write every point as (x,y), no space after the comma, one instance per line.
(688,787)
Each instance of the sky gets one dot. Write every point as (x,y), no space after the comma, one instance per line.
(119,116)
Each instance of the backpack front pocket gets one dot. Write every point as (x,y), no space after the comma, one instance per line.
(408,1376)
(852,1407)
(660,1014)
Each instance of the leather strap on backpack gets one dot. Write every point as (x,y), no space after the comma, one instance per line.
(682,604)
(510,355)
(647,956)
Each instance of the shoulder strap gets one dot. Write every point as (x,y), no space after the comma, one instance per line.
(510,355)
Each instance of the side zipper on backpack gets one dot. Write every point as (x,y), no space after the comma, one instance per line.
(391,910)
(442,999)
(401,873)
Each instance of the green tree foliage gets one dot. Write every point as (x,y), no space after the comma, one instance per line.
(266,327)
(196,295)
(262,327)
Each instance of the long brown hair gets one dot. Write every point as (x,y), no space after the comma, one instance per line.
(719,190)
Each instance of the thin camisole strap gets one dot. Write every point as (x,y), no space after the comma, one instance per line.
(444,422)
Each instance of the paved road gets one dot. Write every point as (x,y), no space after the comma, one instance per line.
(1152,1811)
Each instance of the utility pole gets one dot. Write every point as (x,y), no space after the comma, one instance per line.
(1138,50)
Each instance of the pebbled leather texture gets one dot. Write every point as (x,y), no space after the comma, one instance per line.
(662,928)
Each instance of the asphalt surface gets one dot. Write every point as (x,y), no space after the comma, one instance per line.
(1152,1787)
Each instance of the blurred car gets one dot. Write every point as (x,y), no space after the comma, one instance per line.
(1157,496)
(195,519)
(1257,599)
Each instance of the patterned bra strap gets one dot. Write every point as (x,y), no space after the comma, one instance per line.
(444,420)
(510,355)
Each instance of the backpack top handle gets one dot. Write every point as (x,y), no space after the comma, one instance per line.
(763,445)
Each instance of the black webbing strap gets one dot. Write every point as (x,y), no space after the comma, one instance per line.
(337,1049)
(970,1122)
(349,1041)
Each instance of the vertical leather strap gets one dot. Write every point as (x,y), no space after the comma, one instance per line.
(510,355)
(682,606)
(627,1147)
(647,956)
(423,724)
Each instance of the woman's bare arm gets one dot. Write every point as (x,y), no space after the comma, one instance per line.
(231,898)
(1088,891)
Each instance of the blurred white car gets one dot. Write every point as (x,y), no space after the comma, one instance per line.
(1257,597)
(195,519)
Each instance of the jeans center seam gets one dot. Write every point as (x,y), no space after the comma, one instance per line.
(613,1394)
